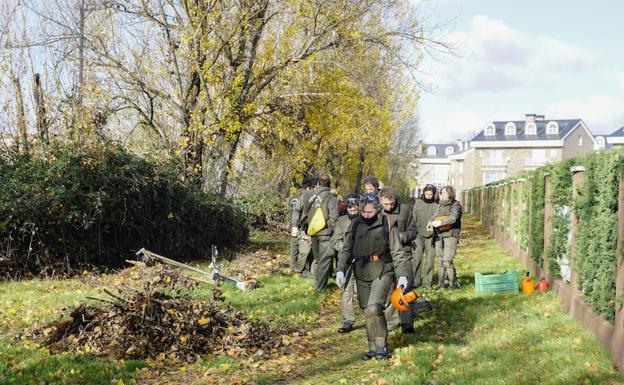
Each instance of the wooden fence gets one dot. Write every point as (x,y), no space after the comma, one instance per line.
(507,211)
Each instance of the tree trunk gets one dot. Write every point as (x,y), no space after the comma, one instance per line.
(22,138)
(42,121)
(358,180)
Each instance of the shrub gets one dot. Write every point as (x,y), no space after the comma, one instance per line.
(98,205)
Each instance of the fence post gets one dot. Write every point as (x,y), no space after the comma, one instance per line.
(618,340)
(578,177)
(548,213)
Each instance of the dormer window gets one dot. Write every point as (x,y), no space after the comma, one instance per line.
(490,130)
(449,150)
(431,151)
(510,128)
(552,128)
(530,129)
(600,141)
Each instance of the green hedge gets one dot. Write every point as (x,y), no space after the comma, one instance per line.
(595,208)
(561,200)
(96,206)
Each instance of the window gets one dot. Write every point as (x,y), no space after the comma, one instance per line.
(492,176)
(580,140)
(431,151)
(552,128)
(600,141)
(510,128)
(449,150)
(530,129)
(490,130)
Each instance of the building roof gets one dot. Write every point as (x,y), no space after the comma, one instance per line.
(618,132)
(440,150)
(565,126)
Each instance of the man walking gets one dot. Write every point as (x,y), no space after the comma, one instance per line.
(424,208)
(376,253)
(324,203)
(400,216)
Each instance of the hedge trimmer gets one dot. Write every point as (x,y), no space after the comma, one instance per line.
(247,283)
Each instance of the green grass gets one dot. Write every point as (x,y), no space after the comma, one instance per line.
(467,339)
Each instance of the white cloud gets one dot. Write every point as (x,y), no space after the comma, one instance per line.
(496,57)
(457,124)
(603,114)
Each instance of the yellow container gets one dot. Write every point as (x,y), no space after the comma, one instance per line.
(528,285)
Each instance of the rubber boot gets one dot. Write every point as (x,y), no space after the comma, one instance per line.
(450,272)
(441,272)
(376,330)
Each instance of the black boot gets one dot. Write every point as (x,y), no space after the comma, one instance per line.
(346,327)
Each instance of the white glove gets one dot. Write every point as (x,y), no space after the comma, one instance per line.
(294,231)
(340,279)
(402,282)
(436,223)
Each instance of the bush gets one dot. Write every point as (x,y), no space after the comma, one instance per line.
(97,206)
(264,211)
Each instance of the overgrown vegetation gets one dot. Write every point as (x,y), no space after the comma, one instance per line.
(595,207)
(96,205)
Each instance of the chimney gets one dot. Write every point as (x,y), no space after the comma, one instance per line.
(459,145)
(530,118)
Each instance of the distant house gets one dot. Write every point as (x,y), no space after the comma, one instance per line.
(505,148)
(616,138)
(434,163)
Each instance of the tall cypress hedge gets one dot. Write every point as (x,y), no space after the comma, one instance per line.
(595,207)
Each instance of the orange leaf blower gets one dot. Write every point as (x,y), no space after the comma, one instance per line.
(409,302)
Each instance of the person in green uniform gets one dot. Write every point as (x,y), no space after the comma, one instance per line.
(375,254)
(299,220)
(424,208)
(297,266)
(399,214)
(447,224)
(322,250)
(348,289)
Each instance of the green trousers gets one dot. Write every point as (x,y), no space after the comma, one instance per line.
(346,301)
(323,253)
(424,255)
(372,296)
(445,249)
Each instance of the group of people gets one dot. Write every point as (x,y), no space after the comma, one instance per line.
(378,244)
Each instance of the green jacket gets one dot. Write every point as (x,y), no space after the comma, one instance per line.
(401,215)
(328,202)
(300,210)
(342,226)
(453,212)
(362,241)
(422,214)
(294,201)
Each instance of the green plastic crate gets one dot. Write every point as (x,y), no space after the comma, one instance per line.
(505,283)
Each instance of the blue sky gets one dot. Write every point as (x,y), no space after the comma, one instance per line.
(563,59)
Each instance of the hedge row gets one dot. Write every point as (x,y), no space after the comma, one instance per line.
(97,206)
(595,207)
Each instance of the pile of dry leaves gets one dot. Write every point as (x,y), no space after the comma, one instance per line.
(157,323)
(258,263)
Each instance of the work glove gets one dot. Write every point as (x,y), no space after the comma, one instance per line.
(402,283)
(340,279)
(436,223)
(294,231)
